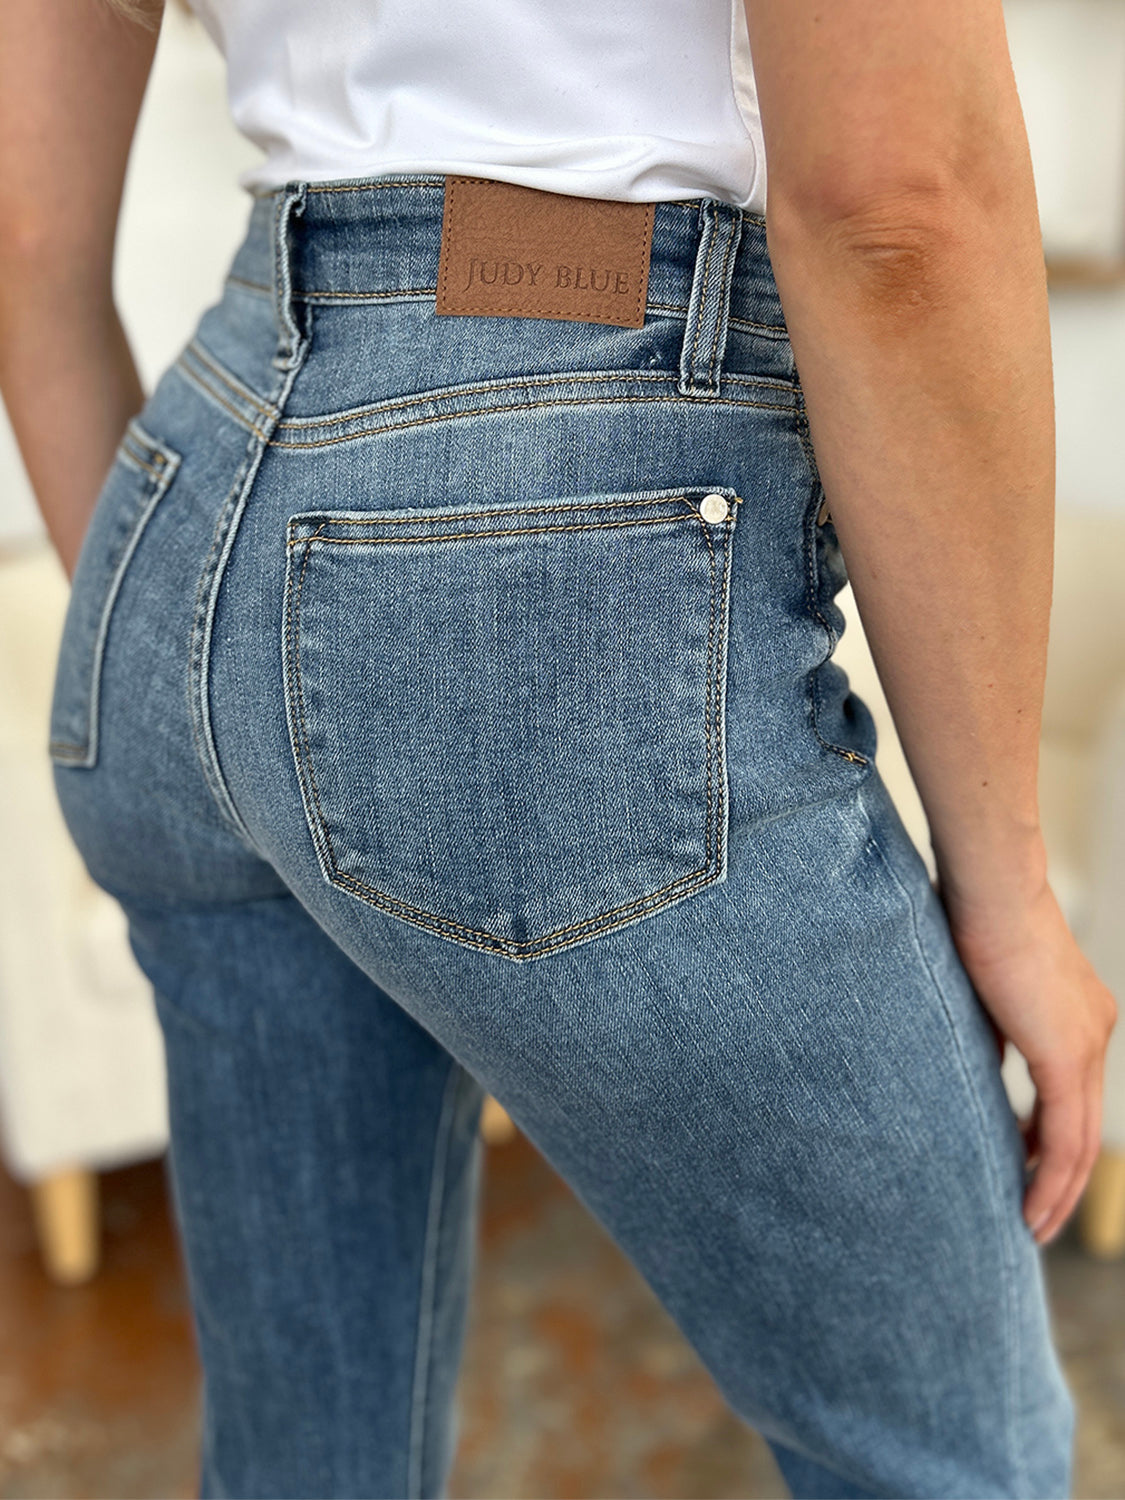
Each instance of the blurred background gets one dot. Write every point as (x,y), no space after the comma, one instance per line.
(575,1382)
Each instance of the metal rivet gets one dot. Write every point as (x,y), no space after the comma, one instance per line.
(714,508)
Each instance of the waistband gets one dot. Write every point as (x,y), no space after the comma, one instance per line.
(378,240)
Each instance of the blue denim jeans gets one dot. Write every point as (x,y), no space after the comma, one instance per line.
(449,703)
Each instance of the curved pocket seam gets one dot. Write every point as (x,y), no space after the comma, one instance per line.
(140,452)
(715,760)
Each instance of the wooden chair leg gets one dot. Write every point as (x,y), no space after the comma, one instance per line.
(1101,1217)
(65,1206)
(495,1123)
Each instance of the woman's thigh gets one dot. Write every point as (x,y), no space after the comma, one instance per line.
(325,1161)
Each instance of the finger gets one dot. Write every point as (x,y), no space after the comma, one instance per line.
(1029,1129)
(1062,1141)
(1091,1148)
(1092,1117)
(1072,1190)
(997,1035)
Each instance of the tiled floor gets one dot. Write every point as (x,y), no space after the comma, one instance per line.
(575,1384)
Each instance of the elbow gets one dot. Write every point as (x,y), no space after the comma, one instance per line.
(875,186)
(910,214)
(38,251)
(898,246)
(25,236)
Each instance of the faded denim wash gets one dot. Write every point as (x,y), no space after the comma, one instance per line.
(438,733)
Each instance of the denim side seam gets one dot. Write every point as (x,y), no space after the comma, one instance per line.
(427,1287)
(292,350)
(1007,1257)
(207,597)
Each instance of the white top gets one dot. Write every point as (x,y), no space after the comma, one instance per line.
(631,99)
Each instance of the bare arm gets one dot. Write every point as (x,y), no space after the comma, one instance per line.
(903,229)
(72,76)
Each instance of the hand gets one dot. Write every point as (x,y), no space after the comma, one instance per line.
(1042,994)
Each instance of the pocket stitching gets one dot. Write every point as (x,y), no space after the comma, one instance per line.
(461,536)
(338,518)
(431,921)
(85,756)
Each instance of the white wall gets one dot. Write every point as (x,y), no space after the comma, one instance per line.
(1088,340)
(182,217)
(1069,60)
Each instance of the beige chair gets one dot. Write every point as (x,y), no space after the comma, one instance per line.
(81,1058)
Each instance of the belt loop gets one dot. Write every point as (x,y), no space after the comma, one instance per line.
(290,205)
(705,332)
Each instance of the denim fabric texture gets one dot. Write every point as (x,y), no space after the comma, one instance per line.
(438,733)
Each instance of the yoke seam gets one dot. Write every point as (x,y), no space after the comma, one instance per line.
(514,407)
(548,378)
(197,350)
(209,393)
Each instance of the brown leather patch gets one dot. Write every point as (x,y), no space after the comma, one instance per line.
(518,252)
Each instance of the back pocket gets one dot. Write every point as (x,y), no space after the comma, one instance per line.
(141,472)
(508,721)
